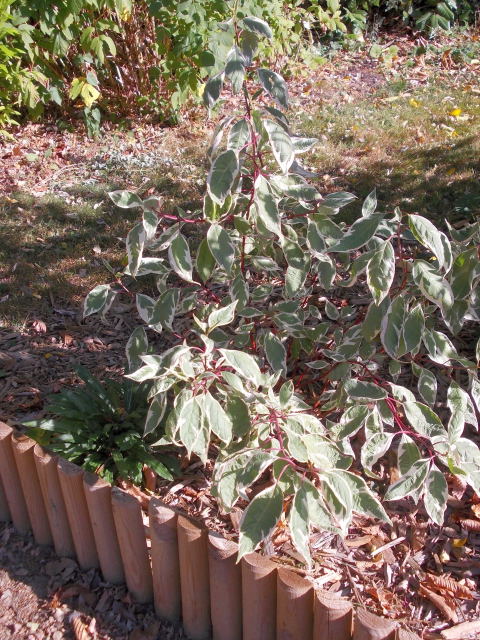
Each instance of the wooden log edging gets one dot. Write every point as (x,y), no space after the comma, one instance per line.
(189,572)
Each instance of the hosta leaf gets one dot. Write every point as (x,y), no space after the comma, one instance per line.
(96,299)
(410,482)
(205,261)
(259,26)
(357,235)
(221,247)
(135,243)
(427,234)
(266,207)
(360,390)
(408,453)
(217,418)
(381,271)
(435,495)
(244,365)
(212,90)
(259,519)
(274,85)
(276,353)
(137,346)
(280,143)
(222,175)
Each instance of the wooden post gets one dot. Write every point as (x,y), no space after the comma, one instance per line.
(194,580)
(259,597)
(403,634)
(165,562)
(127,514)
(332,617)
(46,465)
(4,510)
(23,453)
(70,478)
(99,504)
(11,482)
(225,588)
(368,626)
(294,606)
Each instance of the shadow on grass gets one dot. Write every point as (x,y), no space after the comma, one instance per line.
(52,249)
(441,182)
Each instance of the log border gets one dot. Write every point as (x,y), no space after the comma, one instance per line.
(174,562)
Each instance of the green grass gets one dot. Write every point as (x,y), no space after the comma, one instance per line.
(407,145)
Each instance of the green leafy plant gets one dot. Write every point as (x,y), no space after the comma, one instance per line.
(278,373)
(101,427)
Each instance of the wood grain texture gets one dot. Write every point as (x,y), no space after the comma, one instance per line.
(127,514)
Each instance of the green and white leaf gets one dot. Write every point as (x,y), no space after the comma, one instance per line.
(410,482)
(276,353)
(96,300)
(221,247)
(137,346)
(259,519)
(381,271)
(429,236)
(274,85)
(280,143)
(435,495)
(244,365)
(222,175)
(135,243)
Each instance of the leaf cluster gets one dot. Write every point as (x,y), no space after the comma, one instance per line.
(277,373)
(99,426)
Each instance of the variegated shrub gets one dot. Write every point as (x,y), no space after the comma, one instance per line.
(298,331)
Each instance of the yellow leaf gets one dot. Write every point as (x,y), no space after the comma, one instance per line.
(455,112)
(47,355)
(459,542)
(414,103)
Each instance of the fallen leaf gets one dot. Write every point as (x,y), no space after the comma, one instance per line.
(446,605)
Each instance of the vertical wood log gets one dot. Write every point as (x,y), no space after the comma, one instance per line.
(4,510)
(368,626)
(259,597)
(11,482)
(127,514)
(165,562)
(194,579)
(71,483)
(294,606)
(225,588)
(332,617)
(99,504)
(403,634)
(23,453)
(46,465)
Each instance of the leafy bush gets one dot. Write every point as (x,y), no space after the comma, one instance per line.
(116,56)
(278,365)
(100,425)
